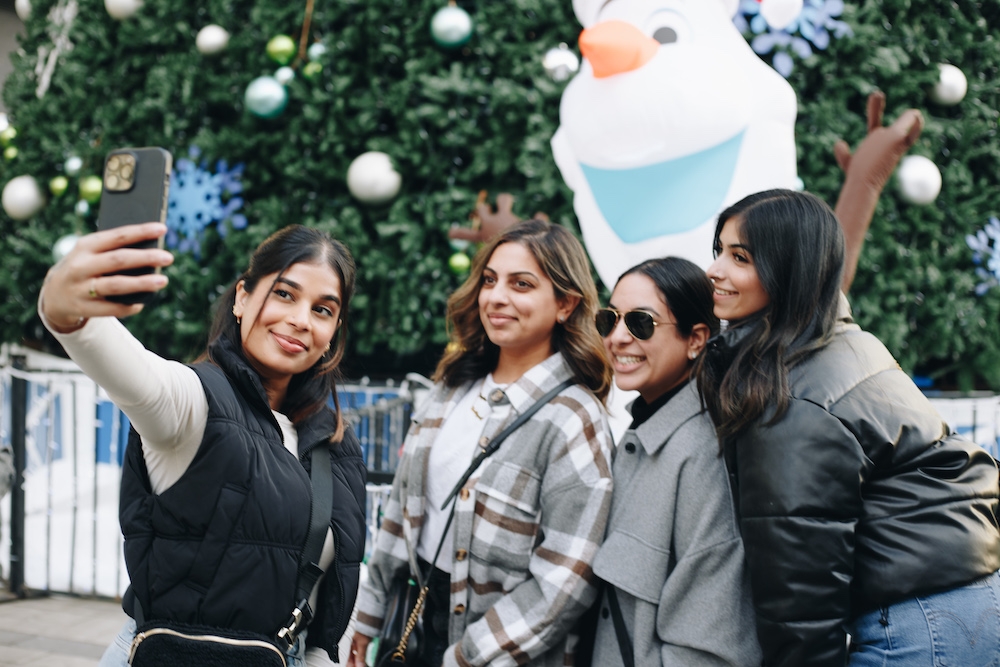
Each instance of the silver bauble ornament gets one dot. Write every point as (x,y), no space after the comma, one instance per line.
(62,247)
(122,9)
(22,198)
(82,208)
(73,165)
(284,75)
(560,63)
(951,86)
(212,39)
(918,180)
(451,27)
(316,51)
(372,179)
(23,9)
(266,97)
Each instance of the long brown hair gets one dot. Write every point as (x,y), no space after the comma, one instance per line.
(471,355)
(308,391)
(797,247)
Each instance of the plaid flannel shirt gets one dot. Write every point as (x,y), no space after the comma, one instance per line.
(527,524)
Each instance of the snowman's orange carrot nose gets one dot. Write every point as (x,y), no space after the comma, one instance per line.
(614,47)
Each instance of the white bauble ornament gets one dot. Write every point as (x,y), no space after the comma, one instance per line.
(73,165)
(284,75)
(22,198)
(951,86)
(23,9)
(4,122)
(265,97)
(212,39)
(82,208)
(779,14)
(62,247)
(372,179)
(316,51)
(122,9)
(451,27)
(560,63)
(918,180)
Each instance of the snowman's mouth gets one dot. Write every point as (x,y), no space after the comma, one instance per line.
(667,197)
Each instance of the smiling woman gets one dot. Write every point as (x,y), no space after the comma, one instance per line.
(223,447)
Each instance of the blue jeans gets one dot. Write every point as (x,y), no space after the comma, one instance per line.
(116,655)
(957,628)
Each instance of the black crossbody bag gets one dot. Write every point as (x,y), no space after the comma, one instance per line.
(401,638)
(159,643)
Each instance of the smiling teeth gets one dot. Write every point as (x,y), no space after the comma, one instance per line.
(628,361)
(723,292)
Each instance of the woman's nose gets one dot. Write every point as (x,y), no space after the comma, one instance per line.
(620,333)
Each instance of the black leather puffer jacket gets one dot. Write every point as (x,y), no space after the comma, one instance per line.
(859,497)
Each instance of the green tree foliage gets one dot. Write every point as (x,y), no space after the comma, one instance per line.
(480,117)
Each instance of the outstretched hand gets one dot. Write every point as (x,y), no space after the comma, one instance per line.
(75,287)
(866,173)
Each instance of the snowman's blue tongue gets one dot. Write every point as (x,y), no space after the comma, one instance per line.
(665,198)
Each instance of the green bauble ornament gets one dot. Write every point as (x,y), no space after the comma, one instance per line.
(459,263)
(90,189)
(7,135)
(451,27)
(281,49)
(58,185)
(10,153)
(311,69)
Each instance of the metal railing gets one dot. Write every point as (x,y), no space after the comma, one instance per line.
(59,529)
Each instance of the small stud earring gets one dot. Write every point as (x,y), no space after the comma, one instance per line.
(692,355)
(562,319)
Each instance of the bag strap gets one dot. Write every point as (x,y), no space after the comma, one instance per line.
(621,632)
(498,440)
(321,480)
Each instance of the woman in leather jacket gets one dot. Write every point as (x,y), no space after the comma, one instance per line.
(863,516)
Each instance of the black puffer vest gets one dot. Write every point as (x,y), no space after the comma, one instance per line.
(221,547)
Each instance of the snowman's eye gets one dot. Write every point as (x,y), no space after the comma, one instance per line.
(665,35)
(668,27)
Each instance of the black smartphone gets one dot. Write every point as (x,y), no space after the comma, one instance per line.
(136,185)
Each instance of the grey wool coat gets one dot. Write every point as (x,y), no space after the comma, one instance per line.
(673,548)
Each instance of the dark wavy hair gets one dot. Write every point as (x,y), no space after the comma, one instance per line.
(797,247)
(471,355)
(308,391)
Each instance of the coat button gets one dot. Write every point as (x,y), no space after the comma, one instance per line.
(630,447)
(483,441)
(459,609)
(496,395)
(461,554)
(605,613)
(464,494)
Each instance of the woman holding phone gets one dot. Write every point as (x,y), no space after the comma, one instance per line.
(862,514)
(215,501)
(514,572)
(676,590)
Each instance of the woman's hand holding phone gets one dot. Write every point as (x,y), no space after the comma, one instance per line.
(77,287)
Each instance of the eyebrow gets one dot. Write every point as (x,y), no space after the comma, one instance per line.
(515,273)
(295,285)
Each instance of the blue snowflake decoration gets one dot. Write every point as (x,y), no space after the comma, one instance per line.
(985,245)
(199,198)
(811,28)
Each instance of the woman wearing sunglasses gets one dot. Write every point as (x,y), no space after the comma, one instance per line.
(514,573)
(676,592)
(861,513)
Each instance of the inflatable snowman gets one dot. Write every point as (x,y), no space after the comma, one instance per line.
(671,118)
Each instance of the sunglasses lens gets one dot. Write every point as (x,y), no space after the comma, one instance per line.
(640,324)
(605,322)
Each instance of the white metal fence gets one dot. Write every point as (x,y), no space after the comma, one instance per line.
(74,440)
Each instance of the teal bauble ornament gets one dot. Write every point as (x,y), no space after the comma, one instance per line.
(316,51)
(451,27)
(266,97)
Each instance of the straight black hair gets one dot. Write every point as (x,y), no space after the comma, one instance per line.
(797,247)
(685,289)
(308,391)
